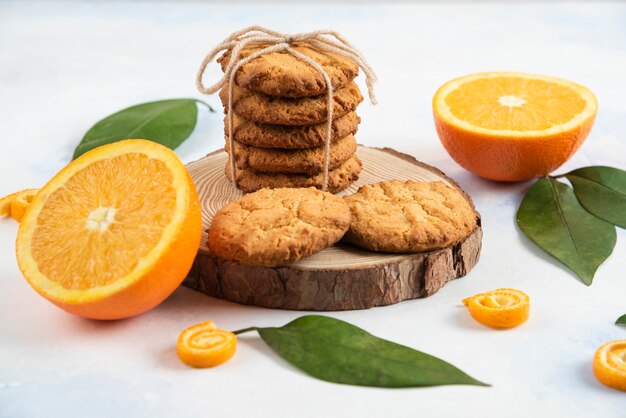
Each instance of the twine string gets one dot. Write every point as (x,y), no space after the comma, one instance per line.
(272,41)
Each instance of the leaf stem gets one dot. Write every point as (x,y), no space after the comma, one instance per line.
(206,104)
(241,331)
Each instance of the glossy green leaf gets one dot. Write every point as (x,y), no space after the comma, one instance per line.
(168,122)
(621,320)
(602,191)
(551,216)
(336,351)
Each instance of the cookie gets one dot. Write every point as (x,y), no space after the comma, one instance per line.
(281,74)
(409,216)
(290,137)
(338,179)
(306,161)
(275,227)
(261,108)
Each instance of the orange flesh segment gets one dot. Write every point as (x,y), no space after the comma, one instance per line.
(516,104)
(96,227)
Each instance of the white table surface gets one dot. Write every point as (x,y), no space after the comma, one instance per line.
(63,66)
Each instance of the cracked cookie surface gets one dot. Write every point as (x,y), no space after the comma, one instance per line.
(290,137)
(338,179)
(266,109)
(274,227)
(281,74)
(305,161)
(409,216)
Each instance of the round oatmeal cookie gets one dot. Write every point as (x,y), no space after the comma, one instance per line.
(290,137)
(275,227)
(283,75)
(338,179)
(261,108)
(305,161)
(409,216)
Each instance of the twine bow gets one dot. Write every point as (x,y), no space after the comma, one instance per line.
(271,41)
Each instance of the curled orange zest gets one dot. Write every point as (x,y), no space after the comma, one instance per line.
(21,202)
(204,345)
(5,204)
(609,364)
(500,308)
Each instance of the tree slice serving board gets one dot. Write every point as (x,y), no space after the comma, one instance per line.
(341,277)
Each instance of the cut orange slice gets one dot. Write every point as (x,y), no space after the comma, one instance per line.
(21,202)
(609,364)
(512,126)
(500,308)
(113,233)
(204,345)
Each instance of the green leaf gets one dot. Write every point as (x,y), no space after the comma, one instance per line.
(336,351)
(602,191)
(553,219)
(621,320)
(168,122)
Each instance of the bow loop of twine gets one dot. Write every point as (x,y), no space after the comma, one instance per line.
(271,41)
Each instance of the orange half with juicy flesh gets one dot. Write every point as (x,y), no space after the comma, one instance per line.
(512,126)
(113,233)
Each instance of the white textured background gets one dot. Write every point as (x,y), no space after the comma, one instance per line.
(63,66)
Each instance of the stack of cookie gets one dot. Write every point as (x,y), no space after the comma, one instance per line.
(279,119)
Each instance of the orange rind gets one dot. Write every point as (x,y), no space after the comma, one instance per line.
(5,204)
(500,308)
(609,364)
(204,345)
(21,202)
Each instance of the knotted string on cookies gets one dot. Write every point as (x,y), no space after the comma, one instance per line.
(272,41)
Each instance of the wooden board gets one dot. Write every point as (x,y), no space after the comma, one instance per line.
(342,277)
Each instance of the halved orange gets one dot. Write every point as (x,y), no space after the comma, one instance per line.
(113,233)
(609,364)
(499,308)
(512,126)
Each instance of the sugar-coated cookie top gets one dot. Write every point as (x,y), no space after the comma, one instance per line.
(274,227)
(409,216)
(283,75)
